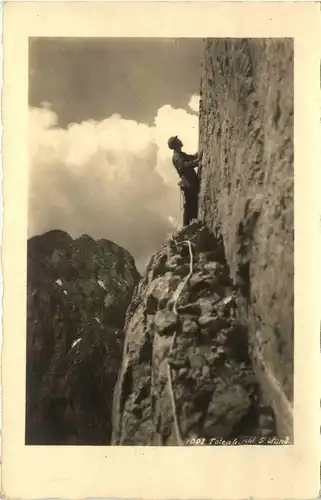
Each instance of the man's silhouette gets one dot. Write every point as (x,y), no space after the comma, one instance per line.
(189,183)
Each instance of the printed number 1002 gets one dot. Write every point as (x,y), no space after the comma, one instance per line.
(196,441)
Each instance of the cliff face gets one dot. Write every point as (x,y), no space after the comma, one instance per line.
(186,370)
(205,348)
(209,333)
(246,132)
(78,293)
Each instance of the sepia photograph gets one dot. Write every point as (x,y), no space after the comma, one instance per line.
(161,334)
(160,253)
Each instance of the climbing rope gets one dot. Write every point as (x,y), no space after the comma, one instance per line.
(172,397)
(180,288)
(177,294)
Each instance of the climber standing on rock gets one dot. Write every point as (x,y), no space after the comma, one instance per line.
(189,183)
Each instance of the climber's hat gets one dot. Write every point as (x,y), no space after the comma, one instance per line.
(172,142)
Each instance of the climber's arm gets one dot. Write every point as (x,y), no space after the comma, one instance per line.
(190,165)
(191,157)
(192,161)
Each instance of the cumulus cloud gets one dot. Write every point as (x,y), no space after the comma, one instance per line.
(169,122)
(110,179)
(194,103)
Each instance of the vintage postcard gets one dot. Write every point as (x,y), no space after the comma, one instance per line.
(161,335)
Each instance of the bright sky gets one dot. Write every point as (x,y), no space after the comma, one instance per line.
(101,112)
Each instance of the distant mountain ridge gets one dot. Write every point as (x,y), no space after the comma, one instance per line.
(201,347)
(78,293)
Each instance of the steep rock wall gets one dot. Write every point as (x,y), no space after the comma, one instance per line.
(246,133)
(186,371)
(78,293)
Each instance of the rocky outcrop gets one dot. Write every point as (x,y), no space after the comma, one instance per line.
(186,370)
(78,293)
(246,133)
(206,350)
(209,345)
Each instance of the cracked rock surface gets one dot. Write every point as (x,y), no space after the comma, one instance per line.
(214,387)
(247,186)
(78,293)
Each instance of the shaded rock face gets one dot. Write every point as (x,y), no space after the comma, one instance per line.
(246,133)
(78,293)
(186,370)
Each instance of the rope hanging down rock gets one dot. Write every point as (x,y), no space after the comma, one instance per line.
(177,294)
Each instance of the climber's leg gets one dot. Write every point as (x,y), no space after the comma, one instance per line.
(186,208)
(194,207)
(191,208)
